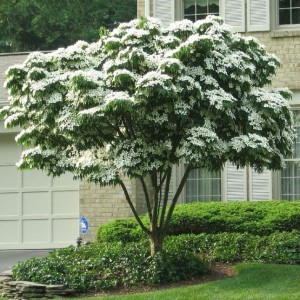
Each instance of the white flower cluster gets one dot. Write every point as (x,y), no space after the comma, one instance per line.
(115,96)
(154,78)
(270,99)
(200,136)
(218,97)
(185,78)
(250,141)
(184,25)
(255,120)
(158,118)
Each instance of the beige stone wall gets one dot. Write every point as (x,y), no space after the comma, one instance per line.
(141,8)
(101,204)
(286,45)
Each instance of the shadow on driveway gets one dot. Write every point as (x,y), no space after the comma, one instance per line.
(8,258)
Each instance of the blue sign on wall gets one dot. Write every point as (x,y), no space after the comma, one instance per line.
(84,225)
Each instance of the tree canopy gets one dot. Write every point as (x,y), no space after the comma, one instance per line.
(145,98)
(28,25)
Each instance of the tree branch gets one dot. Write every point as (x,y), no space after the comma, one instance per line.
(155,199)
(147,197)
(133,208)
(175,198)
(128,127)
(165,201)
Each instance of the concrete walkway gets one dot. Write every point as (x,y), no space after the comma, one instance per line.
(8,258)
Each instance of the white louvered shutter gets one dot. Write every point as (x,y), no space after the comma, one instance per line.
(233,12)
(165,11)
(236,183)
(258,15)
(261,188)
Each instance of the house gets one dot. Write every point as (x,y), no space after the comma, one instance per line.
(38,211)
(276,23)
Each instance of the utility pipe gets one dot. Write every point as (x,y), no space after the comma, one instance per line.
(147,8)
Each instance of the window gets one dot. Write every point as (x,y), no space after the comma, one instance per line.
(290,177)
(203,185)
(199,9)
(289,12)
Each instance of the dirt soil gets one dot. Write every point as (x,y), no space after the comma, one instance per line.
(218,271)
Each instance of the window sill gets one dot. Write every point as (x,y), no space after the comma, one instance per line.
(280,33)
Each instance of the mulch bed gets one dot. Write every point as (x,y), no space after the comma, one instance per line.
(218,271)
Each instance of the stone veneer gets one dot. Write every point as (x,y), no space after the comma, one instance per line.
(286,45)
(24,290)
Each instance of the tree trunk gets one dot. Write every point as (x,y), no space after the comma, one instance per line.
(156,244)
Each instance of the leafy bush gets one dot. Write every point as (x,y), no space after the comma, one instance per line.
(279,247)
(258,218)
(124,230)
(111,265)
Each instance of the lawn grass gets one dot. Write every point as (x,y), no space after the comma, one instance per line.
(253,282)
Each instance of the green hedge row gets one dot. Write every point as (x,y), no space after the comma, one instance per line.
(279,247)
(259,218)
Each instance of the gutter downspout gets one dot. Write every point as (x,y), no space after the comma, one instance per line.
(147,8)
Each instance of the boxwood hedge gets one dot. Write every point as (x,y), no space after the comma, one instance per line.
(278,247)
(258,218)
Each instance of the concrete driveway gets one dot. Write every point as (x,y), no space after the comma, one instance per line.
(8,258)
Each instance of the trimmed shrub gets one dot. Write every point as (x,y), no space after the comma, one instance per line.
(107,266)
(279,247)
(123,230)
(258,218)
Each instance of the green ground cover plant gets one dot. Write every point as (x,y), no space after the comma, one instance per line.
(111,265)
(258,218)
(253,282)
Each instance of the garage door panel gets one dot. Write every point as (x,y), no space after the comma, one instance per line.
(36,210)
(35,231)
(9,232)
(35,203)
(35,179)
(65,202)
(9,178)
(65,180)
(65,230)
(9,204)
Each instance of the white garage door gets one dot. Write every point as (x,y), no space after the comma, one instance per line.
(36,211)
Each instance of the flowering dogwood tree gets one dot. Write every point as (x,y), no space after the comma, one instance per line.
(144,99)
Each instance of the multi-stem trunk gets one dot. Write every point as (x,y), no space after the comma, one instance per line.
(159,215)
(156,243)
